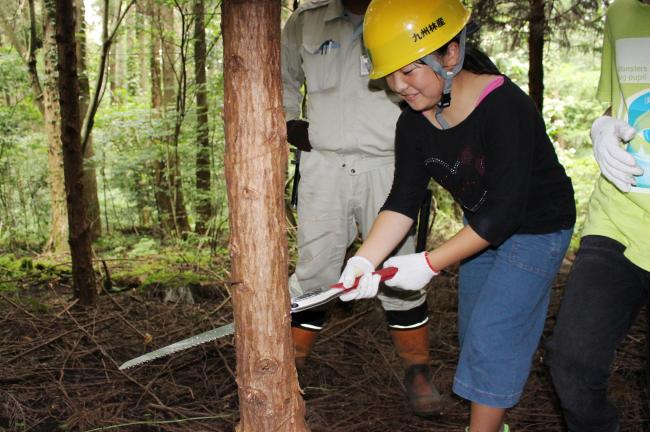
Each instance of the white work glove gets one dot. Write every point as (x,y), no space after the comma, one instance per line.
(617,165)
(369,283)
(413,271)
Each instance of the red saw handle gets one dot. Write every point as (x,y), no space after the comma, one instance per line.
(384,273)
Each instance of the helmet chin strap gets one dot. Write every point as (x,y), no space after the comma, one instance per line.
(447,76)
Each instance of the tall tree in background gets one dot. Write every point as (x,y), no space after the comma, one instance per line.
(203,172)
(255,165)
(27,54)
(89,175)
(68,85)
(163,198)
(142,45)
(114,77)
(132,59)
(169,193)
(536,26)
(174,111)
(545,21)
(47,98)
(58,240)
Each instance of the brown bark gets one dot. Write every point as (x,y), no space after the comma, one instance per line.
(255,166)
(83,276)
(537,23)
(58,240)
(90,173)
(203,207)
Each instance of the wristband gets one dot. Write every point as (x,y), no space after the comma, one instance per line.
(426,258)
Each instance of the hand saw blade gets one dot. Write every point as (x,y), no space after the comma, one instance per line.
(313,299)
(298,304)
(184,344)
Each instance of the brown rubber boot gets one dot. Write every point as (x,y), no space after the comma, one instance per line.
(303,341)
(413,347)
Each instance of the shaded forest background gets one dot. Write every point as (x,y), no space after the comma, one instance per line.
(151,88)
(151,84)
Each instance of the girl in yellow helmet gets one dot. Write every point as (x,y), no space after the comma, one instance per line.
(487,146)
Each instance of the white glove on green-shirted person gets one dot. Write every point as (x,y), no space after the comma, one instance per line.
(617,165)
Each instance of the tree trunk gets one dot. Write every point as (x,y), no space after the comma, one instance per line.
(142,47)
(163,200)
(130,52)
(31,60)
(255,166)
(537,23)
(113,76)
(121,59)
(203,206)
(90,174)
(172,176)
(79,234)
(58,241)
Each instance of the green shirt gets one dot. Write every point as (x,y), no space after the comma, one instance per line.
(625,86)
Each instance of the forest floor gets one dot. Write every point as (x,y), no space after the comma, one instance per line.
(59,367)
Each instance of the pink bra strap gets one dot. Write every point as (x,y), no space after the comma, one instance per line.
(489,88)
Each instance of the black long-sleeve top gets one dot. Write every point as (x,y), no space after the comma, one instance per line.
(499,165)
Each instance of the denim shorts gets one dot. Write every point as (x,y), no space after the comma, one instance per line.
(502,303)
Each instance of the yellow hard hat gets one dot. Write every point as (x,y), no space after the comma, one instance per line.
(398,32)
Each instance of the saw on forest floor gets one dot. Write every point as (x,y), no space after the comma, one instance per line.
(303,302)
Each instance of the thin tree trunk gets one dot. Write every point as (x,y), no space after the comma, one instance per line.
(113,77)
(169,75)
(79,234)
(203,172)
(119,46)
(90,173)
(28,55)
(58,241)
(537,23)
(165,31)
(255,165)
(163,200)
(31,59)
(132,54)
(142,47)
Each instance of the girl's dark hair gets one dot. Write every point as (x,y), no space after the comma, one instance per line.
(476,61)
